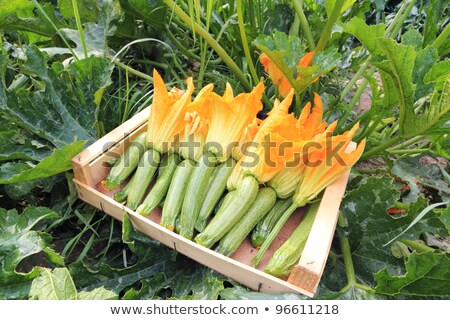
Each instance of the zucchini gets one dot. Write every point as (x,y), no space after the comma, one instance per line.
(145,172)
(284,259)
(229,214)
(127,163)
(273,234)
(265,200)
(158,192)
(215,190)
(175,194)
(194,195)
(263,228)
(122,195)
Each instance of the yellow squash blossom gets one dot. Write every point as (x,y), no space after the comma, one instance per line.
(230,117)
(276,142)
(324,166)
(310,127)
(277,77)
(197,120)
(166,121)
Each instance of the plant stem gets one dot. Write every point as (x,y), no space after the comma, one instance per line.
(335,13)
(348,262)
(440,40)
(415,245)
(407,151)
(298,7)
(133,71)
(251,66)
(399,19)
(380,148)
(76,14)
(406,143)
(213,43)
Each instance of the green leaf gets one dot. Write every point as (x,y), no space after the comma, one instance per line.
(19,15)
(59,161)
(371,227)
(92,76)
(412,38)
(241,293)
(438,72)
(154,12)
(17,242)
(56,284)
(425,60)
(399,65)
(433,10)
(89,10)
(427,274)
(435,118)
(14,145)
(421,171)
(97,294)
(366,34)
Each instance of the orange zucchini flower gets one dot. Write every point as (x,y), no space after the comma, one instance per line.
(326,165)
(197,120)
(276,142)
(311,127)
(230,117)
(166,121)
(278,78)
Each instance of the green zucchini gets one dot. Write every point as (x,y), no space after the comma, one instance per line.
(127,163)
(215,190)
(265,200)
(122,195)
(263,228)
(158,192)
(229,214)
(175,194)
(284,259)
(145,172)
(194,196)
(273,234)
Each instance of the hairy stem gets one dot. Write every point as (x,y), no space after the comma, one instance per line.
(248,56)
(335,13)
(298,7)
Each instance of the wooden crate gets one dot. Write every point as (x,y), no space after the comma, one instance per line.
(90,170)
